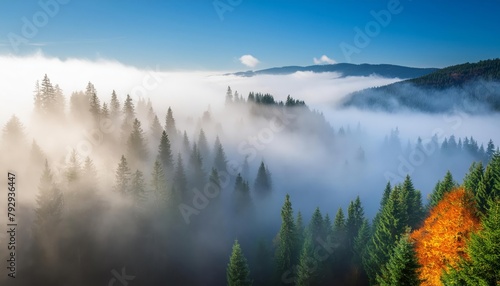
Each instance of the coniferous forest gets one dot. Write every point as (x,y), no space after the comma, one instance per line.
(256,192)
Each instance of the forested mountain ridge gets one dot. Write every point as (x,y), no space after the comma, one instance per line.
(346,69)
(471,87)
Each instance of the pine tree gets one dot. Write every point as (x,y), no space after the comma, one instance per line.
(49,203)
(441,189)
(89,175)
(412,201)
(159,183)
(59,101)
(402,267)
(262,185)
(490,150)
(243,201)
(13,132)
(94,102)
(203,145)
(170,125)
(299,230)
(136,144)
(237,271)
(73,168)
(138,188)
(155,129)
(220,161)
(165,154)
(128,116)
(473,177)
(383,202)
(307,268)
(286,253)
(229,96)
(122,184)
(355,218)
(114,106)
(180,181)
(104,111)
(483,249)
(386,233)
(185,143)
(197,174)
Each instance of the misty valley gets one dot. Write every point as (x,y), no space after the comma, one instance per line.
(363,187)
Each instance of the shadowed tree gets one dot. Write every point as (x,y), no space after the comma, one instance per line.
(262,185)
(165,155)
(136,144)
(402,267)
(286,252)
(122,181)
(220,161)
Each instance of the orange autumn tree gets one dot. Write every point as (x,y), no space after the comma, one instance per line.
(441,241)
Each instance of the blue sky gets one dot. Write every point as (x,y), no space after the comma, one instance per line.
(194,35)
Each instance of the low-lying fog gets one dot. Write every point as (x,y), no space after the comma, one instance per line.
(316,165)
(190,93)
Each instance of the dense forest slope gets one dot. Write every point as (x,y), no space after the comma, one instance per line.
(383,70)
(470,87)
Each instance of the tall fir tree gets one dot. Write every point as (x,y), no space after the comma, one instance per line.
(286,250)
(180,181)
(138,188)
(165,155)
(441,189)
(220,160)
(402,267)
(122,177)
(114,106)
(136,144)
(483,249)
(262,185)
(238,273)
(159,184)
(203,145)
(170,126)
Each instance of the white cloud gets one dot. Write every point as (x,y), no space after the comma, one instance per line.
(324,60)
(249,60)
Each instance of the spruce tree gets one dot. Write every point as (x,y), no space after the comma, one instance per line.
(180,181)
(94,102)
(159,183)
(220,161)
(197,173)
(355,218)
(165,154)
(203,145)
(243,200)
(136,144)
(441,189)
(138,188)
(122,184)
(170,127)
(402,266)
(155,129)
(229,96)
(49,203)
(286,253)
(262,185)
(237,272)
(13,132)
(114,106)
(307,269)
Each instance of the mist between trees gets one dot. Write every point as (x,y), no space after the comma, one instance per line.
(117,183)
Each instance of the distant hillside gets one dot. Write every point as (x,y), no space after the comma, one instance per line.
(383,70)
(470,87)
